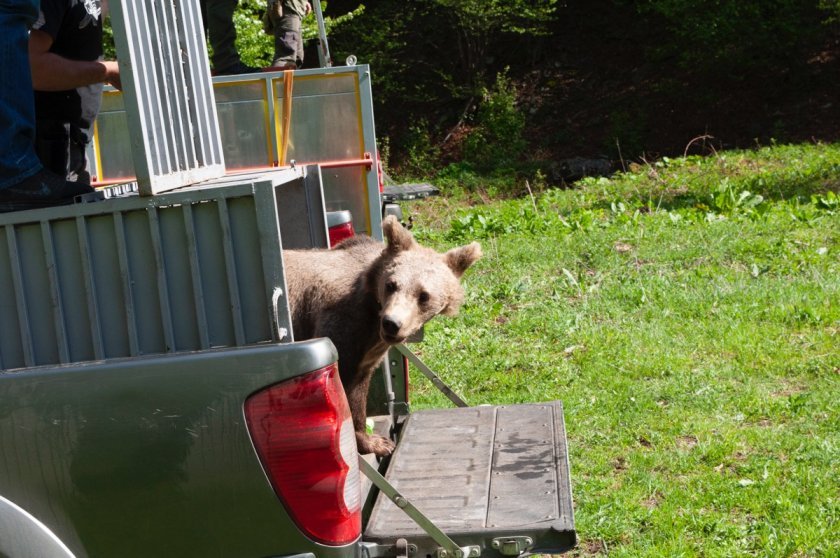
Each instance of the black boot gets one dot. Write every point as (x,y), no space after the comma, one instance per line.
(42,189)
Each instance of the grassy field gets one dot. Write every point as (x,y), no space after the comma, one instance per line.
(687,313)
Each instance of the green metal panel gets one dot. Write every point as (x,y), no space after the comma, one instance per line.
(193,269)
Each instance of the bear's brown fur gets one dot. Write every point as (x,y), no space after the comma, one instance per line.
(366,297)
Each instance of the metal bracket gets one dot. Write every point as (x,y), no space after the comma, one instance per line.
(462,552)
(512,546)
(434,378)
(448,547)
(400,549)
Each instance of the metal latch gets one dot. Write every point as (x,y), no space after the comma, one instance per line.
(512,546)
(403,549)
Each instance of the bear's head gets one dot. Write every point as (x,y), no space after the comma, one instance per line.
(413,283)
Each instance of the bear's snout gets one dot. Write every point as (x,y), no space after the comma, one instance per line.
(391,326)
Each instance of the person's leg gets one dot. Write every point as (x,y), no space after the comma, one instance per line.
(287,42)
(299,47)
(24,182)
(52,145)
(222,31)
(18,160)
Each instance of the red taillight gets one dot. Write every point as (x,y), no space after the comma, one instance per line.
(304,435)
(340,226)
(340,232)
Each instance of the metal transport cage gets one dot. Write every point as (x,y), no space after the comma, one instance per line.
(267,120)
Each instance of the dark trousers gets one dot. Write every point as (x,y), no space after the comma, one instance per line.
(218,23)
(61,148)
(288,43)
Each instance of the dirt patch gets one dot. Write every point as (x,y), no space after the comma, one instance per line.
(653,502)
(592,548)
(622,247)
(686,442)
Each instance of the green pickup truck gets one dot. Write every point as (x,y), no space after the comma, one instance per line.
(153,399)
(153,402)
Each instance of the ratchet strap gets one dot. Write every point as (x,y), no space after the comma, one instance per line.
(286,124)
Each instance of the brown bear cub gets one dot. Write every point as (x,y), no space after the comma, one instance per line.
(365,297)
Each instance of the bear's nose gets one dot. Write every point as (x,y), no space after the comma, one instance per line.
(390,325)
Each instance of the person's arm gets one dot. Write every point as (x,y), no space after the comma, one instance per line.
(51,72)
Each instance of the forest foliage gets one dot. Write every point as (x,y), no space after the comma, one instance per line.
(484,84)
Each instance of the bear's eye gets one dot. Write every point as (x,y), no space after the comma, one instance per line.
(391,287)
(423,297)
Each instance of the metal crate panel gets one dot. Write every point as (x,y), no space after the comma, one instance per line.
(171,112)
(188,270)
(332,121)
(246,133)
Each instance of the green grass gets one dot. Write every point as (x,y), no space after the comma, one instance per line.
(687,313)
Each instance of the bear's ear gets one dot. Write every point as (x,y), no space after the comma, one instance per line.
(459,259)
(398,237)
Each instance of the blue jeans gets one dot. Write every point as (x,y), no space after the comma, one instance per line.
(18,160)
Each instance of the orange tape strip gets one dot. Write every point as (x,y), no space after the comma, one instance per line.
(288,85)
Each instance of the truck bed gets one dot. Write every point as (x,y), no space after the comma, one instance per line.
(482,474)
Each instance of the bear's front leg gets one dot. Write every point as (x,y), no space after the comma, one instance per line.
(357,393)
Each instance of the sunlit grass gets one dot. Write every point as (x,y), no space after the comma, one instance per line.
(687,313)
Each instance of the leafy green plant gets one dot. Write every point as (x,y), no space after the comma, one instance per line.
(475,225)
(828,201)
(728,200)
(421,153)
(496,142)
(255,46)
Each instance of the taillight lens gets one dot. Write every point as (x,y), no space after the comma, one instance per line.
(340,232)
(304,435)
(340,225)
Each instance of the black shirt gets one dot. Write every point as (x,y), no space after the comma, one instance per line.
(76,29)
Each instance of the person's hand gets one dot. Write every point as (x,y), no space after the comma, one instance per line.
(112,74)
(308,9)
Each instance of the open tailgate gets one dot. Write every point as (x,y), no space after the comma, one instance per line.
(496,477)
